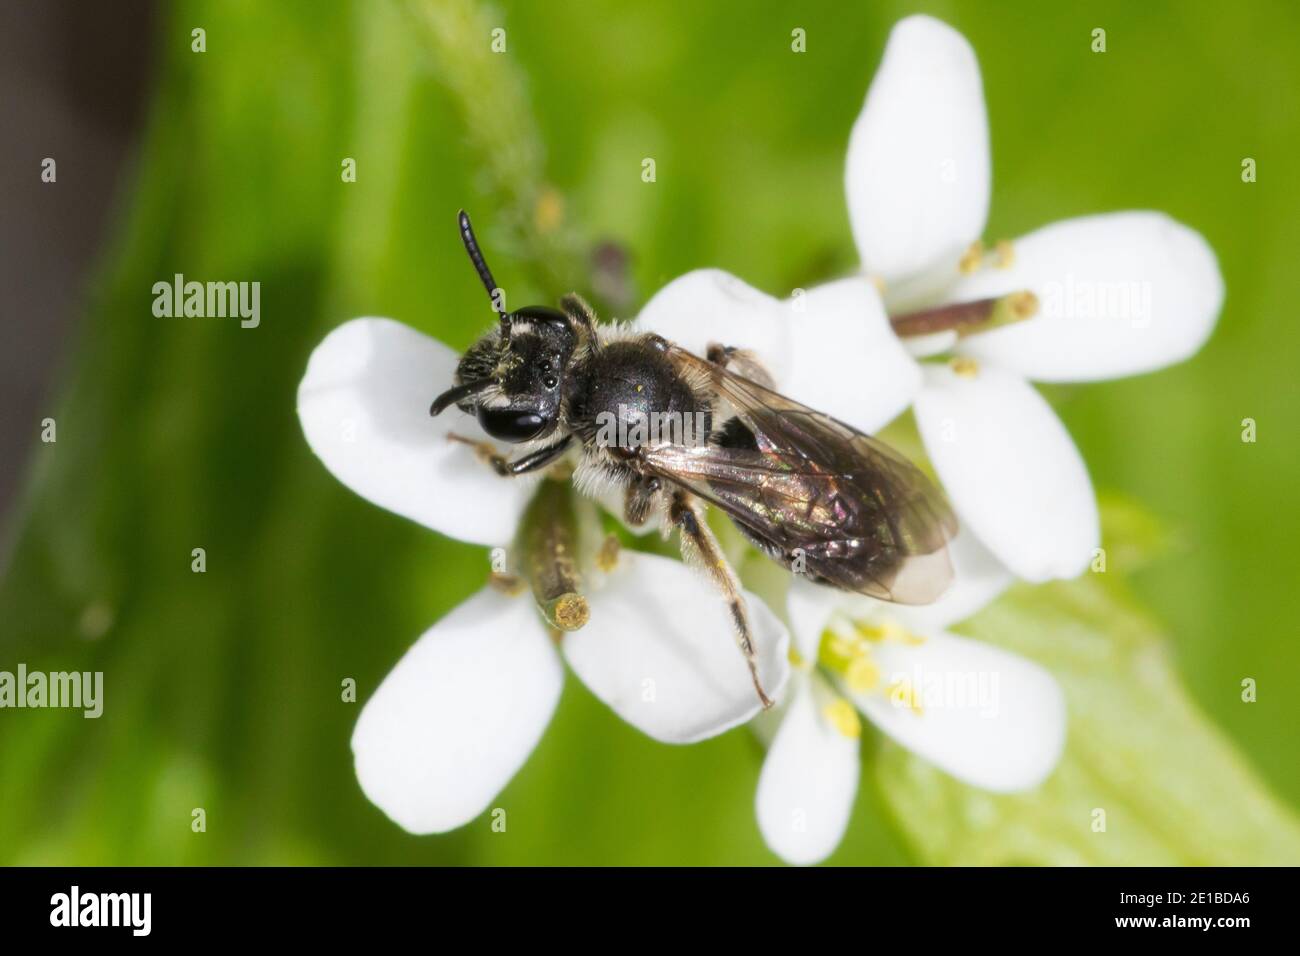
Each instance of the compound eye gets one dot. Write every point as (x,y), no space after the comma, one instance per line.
(510,424)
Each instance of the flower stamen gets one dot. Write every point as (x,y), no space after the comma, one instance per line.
(1006,252)
(972,259)
(903,694)
(967,318)
(840,714)
(862,675)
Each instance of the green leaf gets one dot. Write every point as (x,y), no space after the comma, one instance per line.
(1173,789)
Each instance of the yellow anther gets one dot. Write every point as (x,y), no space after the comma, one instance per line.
(972,259)
(862,675)
(842,647)
(878,282)
(867,630)
(571,612)
(903,694)
(607,557)
(510,584)
(896,632)
(1024,305)
(965,366)
(840,714)
(1006,251)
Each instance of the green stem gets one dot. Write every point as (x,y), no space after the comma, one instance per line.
(489,91)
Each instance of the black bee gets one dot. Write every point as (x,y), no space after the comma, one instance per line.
(811,492)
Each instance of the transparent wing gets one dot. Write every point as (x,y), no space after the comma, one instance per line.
(815,492)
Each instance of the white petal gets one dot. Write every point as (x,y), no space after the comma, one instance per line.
(936,343)
(459,714)
(918,166)
(809,607)
(1118,294)
(845,359)
(808,782)
(659,650)
(364,407)
(711,307)
(978,578)
(1011,469)
(989,718)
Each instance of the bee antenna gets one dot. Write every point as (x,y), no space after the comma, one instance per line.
(481,267)
(457,394)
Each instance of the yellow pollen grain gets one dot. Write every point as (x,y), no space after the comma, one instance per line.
(862,675)
(878,282)
(903,694)
(965,366)
(840,714)
(1006,251)
(973,258)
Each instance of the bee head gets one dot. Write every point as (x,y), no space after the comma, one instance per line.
(511,379)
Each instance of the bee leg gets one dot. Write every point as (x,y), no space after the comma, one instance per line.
(508,469)
(740,361)
(639,499)
(700,547)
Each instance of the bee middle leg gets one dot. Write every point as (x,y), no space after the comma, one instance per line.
(700,547)
(639,499)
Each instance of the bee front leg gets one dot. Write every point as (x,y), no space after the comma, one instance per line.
(506,468)
(700,547)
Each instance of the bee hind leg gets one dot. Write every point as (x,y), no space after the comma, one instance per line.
(700,547)
(740,361)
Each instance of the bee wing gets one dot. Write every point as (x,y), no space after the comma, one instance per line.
(862,517)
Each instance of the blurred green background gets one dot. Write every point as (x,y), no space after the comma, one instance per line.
(222,689)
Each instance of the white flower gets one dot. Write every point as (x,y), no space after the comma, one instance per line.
(1008,731)
(988,717)
(1115,294)
(461,711)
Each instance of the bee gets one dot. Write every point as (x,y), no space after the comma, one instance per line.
(809,491)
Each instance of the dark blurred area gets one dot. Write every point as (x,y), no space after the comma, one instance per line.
(76,79)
